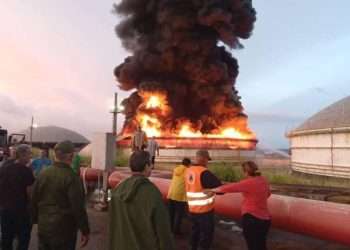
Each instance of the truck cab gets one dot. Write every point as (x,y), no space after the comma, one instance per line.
(3,143)
(8,140)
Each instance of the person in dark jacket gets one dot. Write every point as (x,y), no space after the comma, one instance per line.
(16,180)
(138,216)
(59,203)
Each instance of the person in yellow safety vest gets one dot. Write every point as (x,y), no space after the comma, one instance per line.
(200,203)
(177,200)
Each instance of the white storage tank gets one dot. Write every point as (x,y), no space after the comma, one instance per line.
(321,145)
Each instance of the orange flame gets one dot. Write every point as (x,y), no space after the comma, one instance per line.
(155,109)
(150,125)
(153,102)
(187,131)
(232,133)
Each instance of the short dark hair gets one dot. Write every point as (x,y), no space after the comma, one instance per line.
(138,161)
(22,149)
(186,162)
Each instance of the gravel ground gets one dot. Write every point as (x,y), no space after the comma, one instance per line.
(225,238)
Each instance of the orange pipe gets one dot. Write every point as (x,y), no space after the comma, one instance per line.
(323,220)
(90,174)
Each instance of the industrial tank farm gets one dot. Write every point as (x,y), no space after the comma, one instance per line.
(321,145)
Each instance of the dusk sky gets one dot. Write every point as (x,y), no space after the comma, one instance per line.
(57,61)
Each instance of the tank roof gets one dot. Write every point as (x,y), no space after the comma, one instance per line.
(336,115)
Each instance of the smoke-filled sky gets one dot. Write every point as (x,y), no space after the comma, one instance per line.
(57,60)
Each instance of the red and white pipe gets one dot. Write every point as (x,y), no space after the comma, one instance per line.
(323,220)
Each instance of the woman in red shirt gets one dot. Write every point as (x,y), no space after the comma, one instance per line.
(256,217)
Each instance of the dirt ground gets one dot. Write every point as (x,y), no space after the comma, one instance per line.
(225,238)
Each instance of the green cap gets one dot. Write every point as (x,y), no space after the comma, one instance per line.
(65,147)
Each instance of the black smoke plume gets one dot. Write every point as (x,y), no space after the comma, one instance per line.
(181,47)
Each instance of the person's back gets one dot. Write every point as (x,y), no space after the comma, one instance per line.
(139,140)
(177,199)
(54,208)
(139,213)
(59,205)
(7,162)
(15,185)
(201,204)
(14,180)
(138,217)
(152,147)
(177,190)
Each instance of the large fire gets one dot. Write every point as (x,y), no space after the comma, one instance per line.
(182,71)
(154,110)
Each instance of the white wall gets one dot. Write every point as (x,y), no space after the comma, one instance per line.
(323,154)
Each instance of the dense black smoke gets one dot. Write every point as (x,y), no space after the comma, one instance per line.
(175,46)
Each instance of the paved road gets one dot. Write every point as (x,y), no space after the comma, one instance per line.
(225,239)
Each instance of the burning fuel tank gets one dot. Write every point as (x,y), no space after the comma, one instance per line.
(183,74)
(174,149)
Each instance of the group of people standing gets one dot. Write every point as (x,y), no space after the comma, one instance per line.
(140,220)
(42,192)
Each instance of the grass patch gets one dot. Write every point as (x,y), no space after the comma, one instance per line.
(230,172)
(121,159)
(227,172)
(282,176)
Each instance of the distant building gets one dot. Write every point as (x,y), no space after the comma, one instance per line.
(48,136)
(321,145)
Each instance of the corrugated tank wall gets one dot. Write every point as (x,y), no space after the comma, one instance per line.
(322,152)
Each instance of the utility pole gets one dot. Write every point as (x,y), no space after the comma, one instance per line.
(115,113)
(31,131)
(104,199)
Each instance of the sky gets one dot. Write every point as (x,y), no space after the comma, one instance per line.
(57,59)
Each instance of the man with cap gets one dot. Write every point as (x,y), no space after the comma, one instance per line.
(201,203)
(138,216)
(59,203)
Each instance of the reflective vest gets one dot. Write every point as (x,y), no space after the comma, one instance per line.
(198,201)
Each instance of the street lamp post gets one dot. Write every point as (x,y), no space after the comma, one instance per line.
(115,114)
(32,127)
(116,110)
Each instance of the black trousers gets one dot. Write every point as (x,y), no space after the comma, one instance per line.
(202,230)
(255,232)
(177,211)
(14,226)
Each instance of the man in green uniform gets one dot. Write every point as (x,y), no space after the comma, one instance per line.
(59,203)
(138,216)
